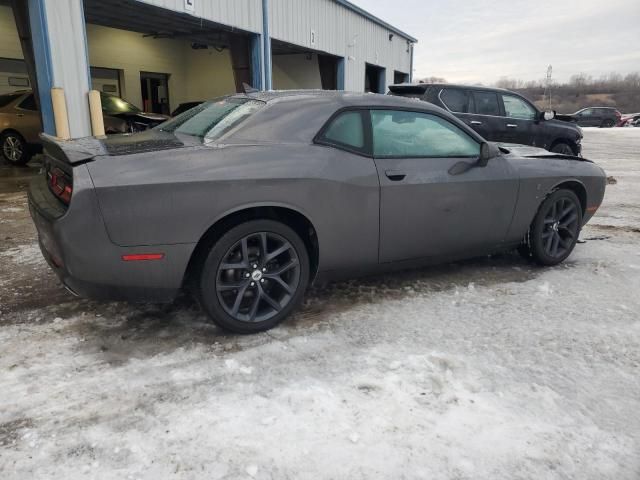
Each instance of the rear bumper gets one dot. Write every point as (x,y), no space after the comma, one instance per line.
(76,246)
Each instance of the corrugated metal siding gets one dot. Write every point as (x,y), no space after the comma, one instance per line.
(338,31)
(242,14)
(341,32)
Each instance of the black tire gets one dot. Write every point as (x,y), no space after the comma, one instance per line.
(557,224)
(238,259)
(608,123)
(563,148)
(14,149)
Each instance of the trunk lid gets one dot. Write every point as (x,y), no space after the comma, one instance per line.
(72,152)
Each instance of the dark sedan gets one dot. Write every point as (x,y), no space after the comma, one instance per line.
(603,117)
(252,197)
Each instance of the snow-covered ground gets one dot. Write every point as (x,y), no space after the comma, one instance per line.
(488,369)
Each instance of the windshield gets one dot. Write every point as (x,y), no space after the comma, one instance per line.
(212,119)
(115,105)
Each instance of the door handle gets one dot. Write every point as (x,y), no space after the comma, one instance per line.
(475,122)
(19,114)
(395,175)
(512,125)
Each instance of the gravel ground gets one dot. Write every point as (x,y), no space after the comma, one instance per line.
(487,369)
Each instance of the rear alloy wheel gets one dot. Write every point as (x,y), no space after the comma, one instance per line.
(563,149)
(254,276)
(14,148)
(555,229)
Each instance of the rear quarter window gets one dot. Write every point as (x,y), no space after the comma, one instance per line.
(7,99)
(29,103)
(455,100)
(345,130)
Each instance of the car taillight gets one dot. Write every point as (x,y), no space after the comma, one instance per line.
(60,184)
(619,115)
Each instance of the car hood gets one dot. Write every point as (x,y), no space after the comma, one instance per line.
(534,152)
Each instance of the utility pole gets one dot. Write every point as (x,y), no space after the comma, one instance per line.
(548,84)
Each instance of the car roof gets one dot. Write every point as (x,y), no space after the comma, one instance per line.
(339,98)
(424,86)
(295,116)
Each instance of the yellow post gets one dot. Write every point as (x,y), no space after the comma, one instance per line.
(60,116)
(95,107)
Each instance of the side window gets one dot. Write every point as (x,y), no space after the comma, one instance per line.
(587,112)
(455,100)
(486,103)
(29,103)
(515,107)
(414,134)
(346,130)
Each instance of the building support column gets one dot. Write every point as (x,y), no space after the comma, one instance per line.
(411,64)
(58,34)
(266,41)
(382,81)
(341,73)
(256,61)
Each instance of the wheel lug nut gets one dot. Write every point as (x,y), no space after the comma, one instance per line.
(255,266)
(264,269)
(262,281)
(247,275)
(252,284)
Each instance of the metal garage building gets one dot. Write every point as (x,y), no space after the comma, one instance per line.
(160,53)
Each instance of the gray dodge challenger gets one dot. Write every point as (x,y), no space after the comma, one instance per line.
(250,198)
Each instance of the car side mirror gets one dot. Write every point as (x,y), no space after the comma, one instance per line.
(485,155)
(549,115)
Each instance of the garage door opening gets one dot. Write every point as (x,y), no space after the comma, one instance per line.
(299,68)
(166,58)
(155,92)
(400,77)
(331,72)
(374,79)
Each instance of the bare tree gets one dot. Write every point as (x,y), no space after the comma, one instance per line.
(433,80)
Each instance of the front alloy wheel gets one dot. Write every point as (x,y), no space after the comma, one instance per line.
(255,276)
(555,229)
(14,149)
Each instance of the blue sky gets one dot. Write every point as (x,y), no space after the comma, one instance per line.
(482,41)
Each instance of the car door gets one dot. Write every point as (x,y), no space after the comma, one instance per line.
(587,118)
(520,120)
(485,115)
(27,119)
(425,210)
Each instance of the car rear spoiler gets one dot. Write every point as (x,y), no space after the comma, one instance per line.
(73,152)
(408,88)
